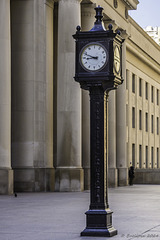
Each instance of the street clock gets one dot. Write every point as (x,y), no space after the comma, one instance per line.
(98,69)
(98,56)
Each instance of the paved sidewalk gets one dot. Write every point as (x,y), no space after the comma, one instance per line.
(60,216)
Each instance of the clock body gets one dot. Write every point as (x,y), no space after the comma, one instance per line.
(98,59)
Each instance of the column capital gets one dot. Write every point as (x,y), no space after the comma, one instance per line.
(50,3)
(88,9)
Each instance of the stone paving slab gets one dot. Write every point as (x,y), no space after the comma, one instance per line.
(60,216)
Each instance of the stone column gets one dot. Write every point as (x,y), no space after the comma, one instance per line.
(121,126)
(32,95)
(129,79)
(112,170)
(6,174)
(69,173)
(87,22)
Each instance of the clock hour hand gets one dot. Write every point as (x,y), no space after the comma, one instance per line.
(91,56)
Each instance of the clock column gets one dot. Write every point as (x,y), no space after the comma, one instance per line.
(87,20)
(69,172)
(6,173)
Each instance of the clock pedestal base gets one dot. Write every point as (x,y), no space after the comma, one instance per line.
(99,224)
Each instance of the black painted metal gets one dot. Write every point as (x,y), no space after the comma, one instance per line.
(99,83)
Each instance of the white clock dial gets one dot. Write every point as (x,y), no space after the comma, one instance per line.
(117,59)
(93,57)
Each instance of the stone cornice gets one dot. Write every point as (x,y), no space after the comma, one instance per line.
(132,4)
(143,56)
(141,31)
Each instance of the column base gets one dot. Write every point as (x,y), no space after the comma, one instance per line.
(99,224)
(69,179)
(34,179)
(86,178)
(6,181)
(122,176)
(112,177)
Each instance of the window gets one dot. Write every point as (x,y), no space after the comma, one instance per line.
(140,119)
(157,125)
(140,87)
(157,157)
(157,97)
(127,79)
(133,83)
(133,155)
(152,94)
(146,156)
(140,156)
(146,122)
(127,115)
(133,117)
(152,157)
(152,127)
(146,90)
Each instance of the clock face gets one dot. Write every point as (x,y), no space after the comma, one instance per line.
(93,57)
(117,58)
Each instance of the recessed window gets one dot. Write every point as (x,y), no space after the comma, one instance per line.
(157,125)
(157,157)
(133,83)
(127,79)
(152,124)
(146,122)
(146,90)
(140,119)
(152,94)
(133,117)
(146,156)
(157,97)
(140,87)
(140,156)
(133,155)
(152,156)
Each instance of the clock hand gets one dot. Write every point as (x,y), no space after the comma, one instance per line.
(91,56)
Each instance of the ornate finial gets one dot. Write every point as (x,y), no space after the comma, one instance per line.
(118,32)
(78,28)
(99,15)
(98,23)
(110,27)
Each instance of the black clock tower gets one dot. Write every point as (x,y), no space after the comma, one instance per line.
(98,70)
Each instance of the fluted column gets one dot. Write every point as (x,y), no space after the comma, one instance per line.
(112,170)
(32,95)
(87,21)
(6,174)
(121,126)
(69,173)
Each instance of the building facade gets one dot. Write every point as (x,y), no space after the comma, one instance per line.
(44,115)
